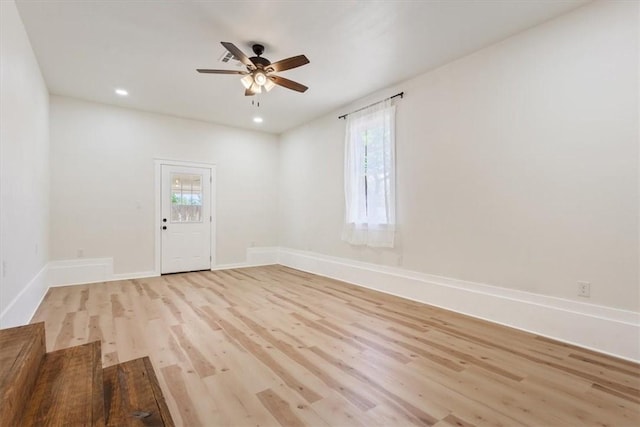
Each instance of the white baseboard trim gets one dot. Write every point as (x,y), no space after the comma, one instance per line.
(24,305)
(80,271)
(94,270)
(139,275)
(88,270)
(603,329)
(231,266)
(256,257)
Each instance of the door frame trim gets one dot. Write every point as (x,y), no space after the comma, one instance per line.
(158,162)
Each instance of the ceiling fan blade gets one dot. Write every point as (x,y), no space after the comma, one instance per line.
(289,84)
(200,70)
(239,55)
(289,63)
(249,92)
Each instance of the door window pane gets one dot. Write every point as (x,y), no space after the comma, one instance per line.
(186,198)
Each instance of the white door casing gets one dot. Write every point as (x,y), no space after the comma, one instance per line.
(186,218)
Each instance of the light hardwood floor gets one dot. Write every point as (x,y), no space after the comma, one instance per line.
(275,346)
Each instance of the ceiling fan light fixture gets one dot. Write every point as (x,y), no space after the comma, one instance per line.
(255,88)
(247,81)
(260,77)
(269,84)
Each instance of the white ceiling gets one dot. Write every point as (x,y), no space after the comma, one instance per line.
(86,49)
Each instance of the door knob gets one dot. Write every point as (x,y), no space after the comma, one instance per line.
(164,219)
(164,227)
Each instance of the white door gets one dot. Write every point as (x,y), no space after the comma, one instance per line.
(186,218)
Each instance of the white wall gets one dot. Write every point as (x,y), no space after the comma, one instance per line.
(24,153)
(102,182)
(517,165)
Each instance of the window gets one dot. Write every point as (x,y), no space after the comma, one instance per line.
(370,176)
(186,198)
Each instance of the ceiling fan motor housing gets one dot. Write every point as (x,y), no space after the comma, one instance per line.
(259,61)
(258,49)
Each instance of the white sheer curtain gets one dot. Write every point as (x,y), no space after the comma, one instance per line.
(369,174)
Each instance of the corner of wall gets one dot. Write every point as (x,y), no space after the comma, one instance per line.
(24,305)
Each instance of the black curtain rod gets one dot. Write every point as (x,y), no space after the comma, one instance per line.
(344,116)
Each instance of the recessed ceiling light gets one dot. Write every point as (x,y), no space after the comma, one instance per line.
(122,92)
(257,119)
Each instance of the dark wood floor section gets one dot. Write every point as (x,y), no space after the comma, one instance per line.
(271,346)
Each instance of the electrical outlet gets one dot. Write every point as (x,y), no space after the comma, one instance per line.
(584,289)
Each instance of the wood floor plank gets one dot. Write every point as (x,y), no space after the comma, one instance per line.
(275,346)
(421,415)
(22,351)
(239,405)
(332,382)
(264,357)
(186,413)
(132,396)
(279,408)
(68,390)
(203,367)
(339,412)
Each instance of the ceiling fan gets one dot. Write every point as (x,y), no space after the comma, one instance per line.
(260,71)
